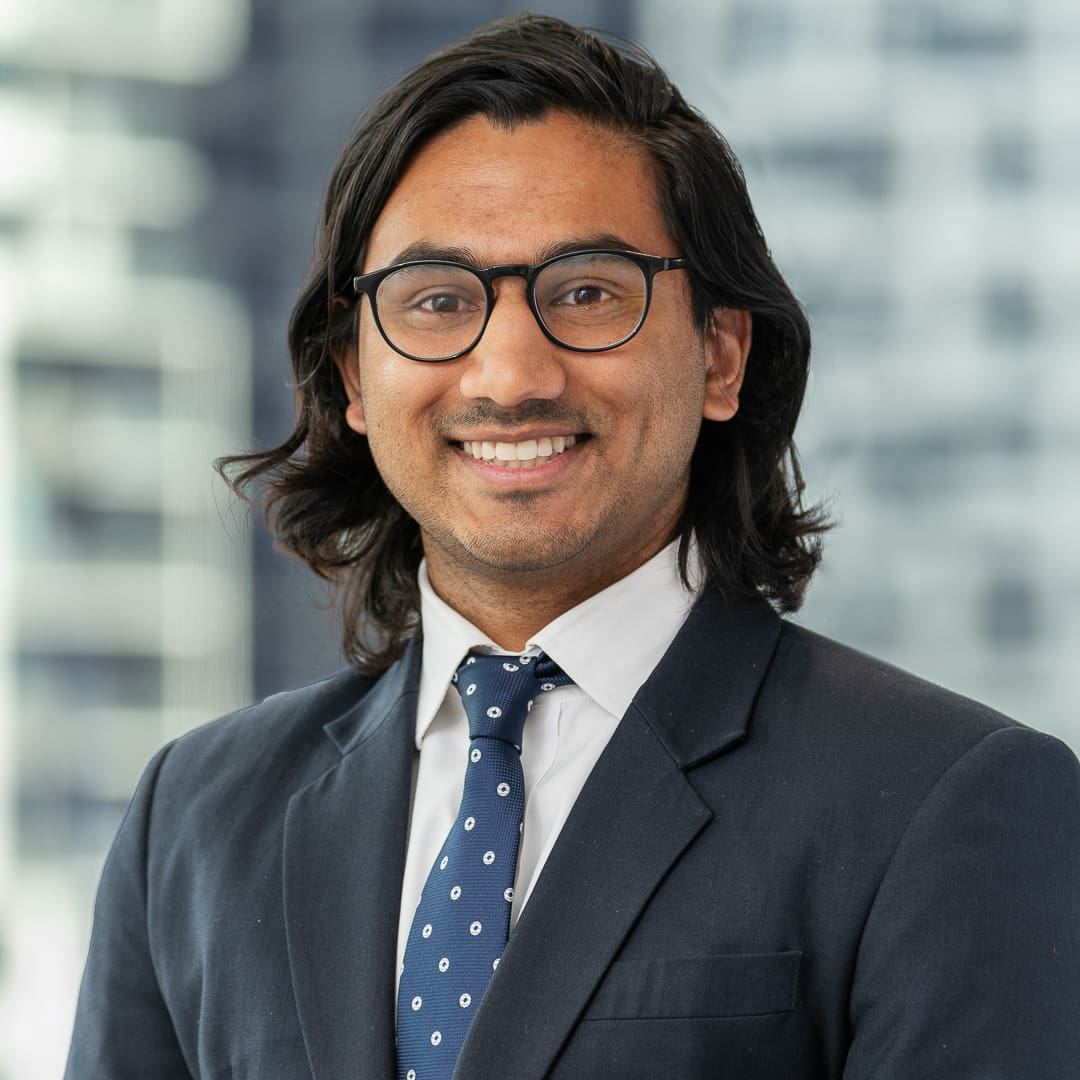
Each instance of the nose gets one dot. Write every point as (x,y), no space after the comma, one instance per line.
(513,361)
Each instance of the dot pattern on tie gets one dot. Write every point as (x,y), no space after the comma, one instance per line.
(463,919)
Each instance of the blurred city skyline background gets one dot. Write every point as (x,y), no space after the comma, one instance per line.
(915,167)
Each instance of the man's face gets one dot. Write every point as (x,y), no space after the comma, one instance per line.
(611,499)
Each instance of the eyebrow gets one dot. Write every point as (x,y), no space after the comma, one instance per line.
(424,249)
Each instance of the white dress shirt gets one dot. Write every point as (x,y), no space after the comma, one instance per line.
(608,644)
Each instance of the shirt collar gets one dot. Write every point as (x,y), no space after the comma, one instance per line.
(608,644)
(448,636)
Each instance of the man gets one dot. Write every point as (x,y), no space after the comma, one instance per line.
(543,349)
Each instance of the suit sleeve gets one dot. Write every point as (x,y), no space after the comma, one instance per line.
(122,1027)
(969,964)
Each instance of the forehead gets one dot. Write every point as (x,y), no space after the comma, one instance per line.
(509,195)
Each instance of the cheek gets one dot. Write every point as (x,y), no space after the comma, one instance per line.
(671,404)
(400,401)
(378,402)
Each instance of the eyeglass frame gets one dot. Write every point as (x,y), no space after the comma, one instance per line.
(650,265)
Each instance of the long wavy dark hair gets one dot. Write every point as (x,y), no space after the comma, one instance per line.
(325,501)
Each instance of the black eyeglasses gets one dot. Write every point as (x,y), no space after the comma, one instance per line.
(589,301)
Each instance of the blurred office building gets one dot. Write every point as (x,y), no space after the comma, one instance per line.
(161,164)
(124,604)
(915,168)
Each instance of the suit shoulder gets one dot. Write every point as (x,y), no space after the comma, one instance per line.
(288,712)
(846,697)
(885,739)
(843,669)
(280,735)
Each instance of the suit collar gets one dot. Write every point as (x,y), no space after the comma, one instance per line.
(344,856)
(383,700)
(699,699)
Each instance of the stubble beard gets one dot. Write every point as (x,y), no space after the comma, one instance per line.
(523,552)
(529,558)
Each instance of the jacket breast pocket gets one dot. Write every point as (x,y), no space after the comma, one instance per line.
(684,987)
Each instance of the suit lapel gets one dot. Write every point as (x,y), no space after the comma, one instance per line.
(635,816)
(344,852)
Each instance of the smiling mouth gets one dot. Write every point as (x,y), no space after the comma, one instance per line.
(526,454)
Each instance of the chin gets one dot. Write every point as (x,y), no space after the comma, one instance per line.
(520,552)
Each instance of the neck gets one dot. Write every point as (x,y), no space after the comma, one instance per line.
(511,606)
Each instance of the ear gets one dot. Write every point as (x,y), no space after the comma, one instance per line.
(348,365)
(727,345)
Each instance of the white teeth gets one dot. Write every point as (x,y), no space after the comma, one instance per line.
(525,454)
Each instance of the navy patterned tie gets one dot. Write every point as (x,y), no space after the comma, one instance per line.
(463,919)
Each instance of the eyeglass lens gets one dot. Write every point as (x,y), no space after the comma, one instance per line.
(586,301)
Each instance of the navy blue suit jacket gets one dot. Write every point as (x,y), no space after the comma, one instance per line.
(791,862)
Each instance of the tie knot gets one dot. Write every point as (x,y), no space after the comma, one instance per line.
(499,691)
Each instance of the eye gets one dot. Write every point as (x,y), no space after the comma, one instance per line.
(429,293)
(591,300)
(443,303)
(585,295)
(591,285)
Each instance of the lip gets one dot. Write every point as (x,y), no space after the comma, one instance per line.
(522,434)
(537,476)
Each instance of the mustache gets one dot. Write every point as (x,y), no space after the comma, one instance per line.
(535,410)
